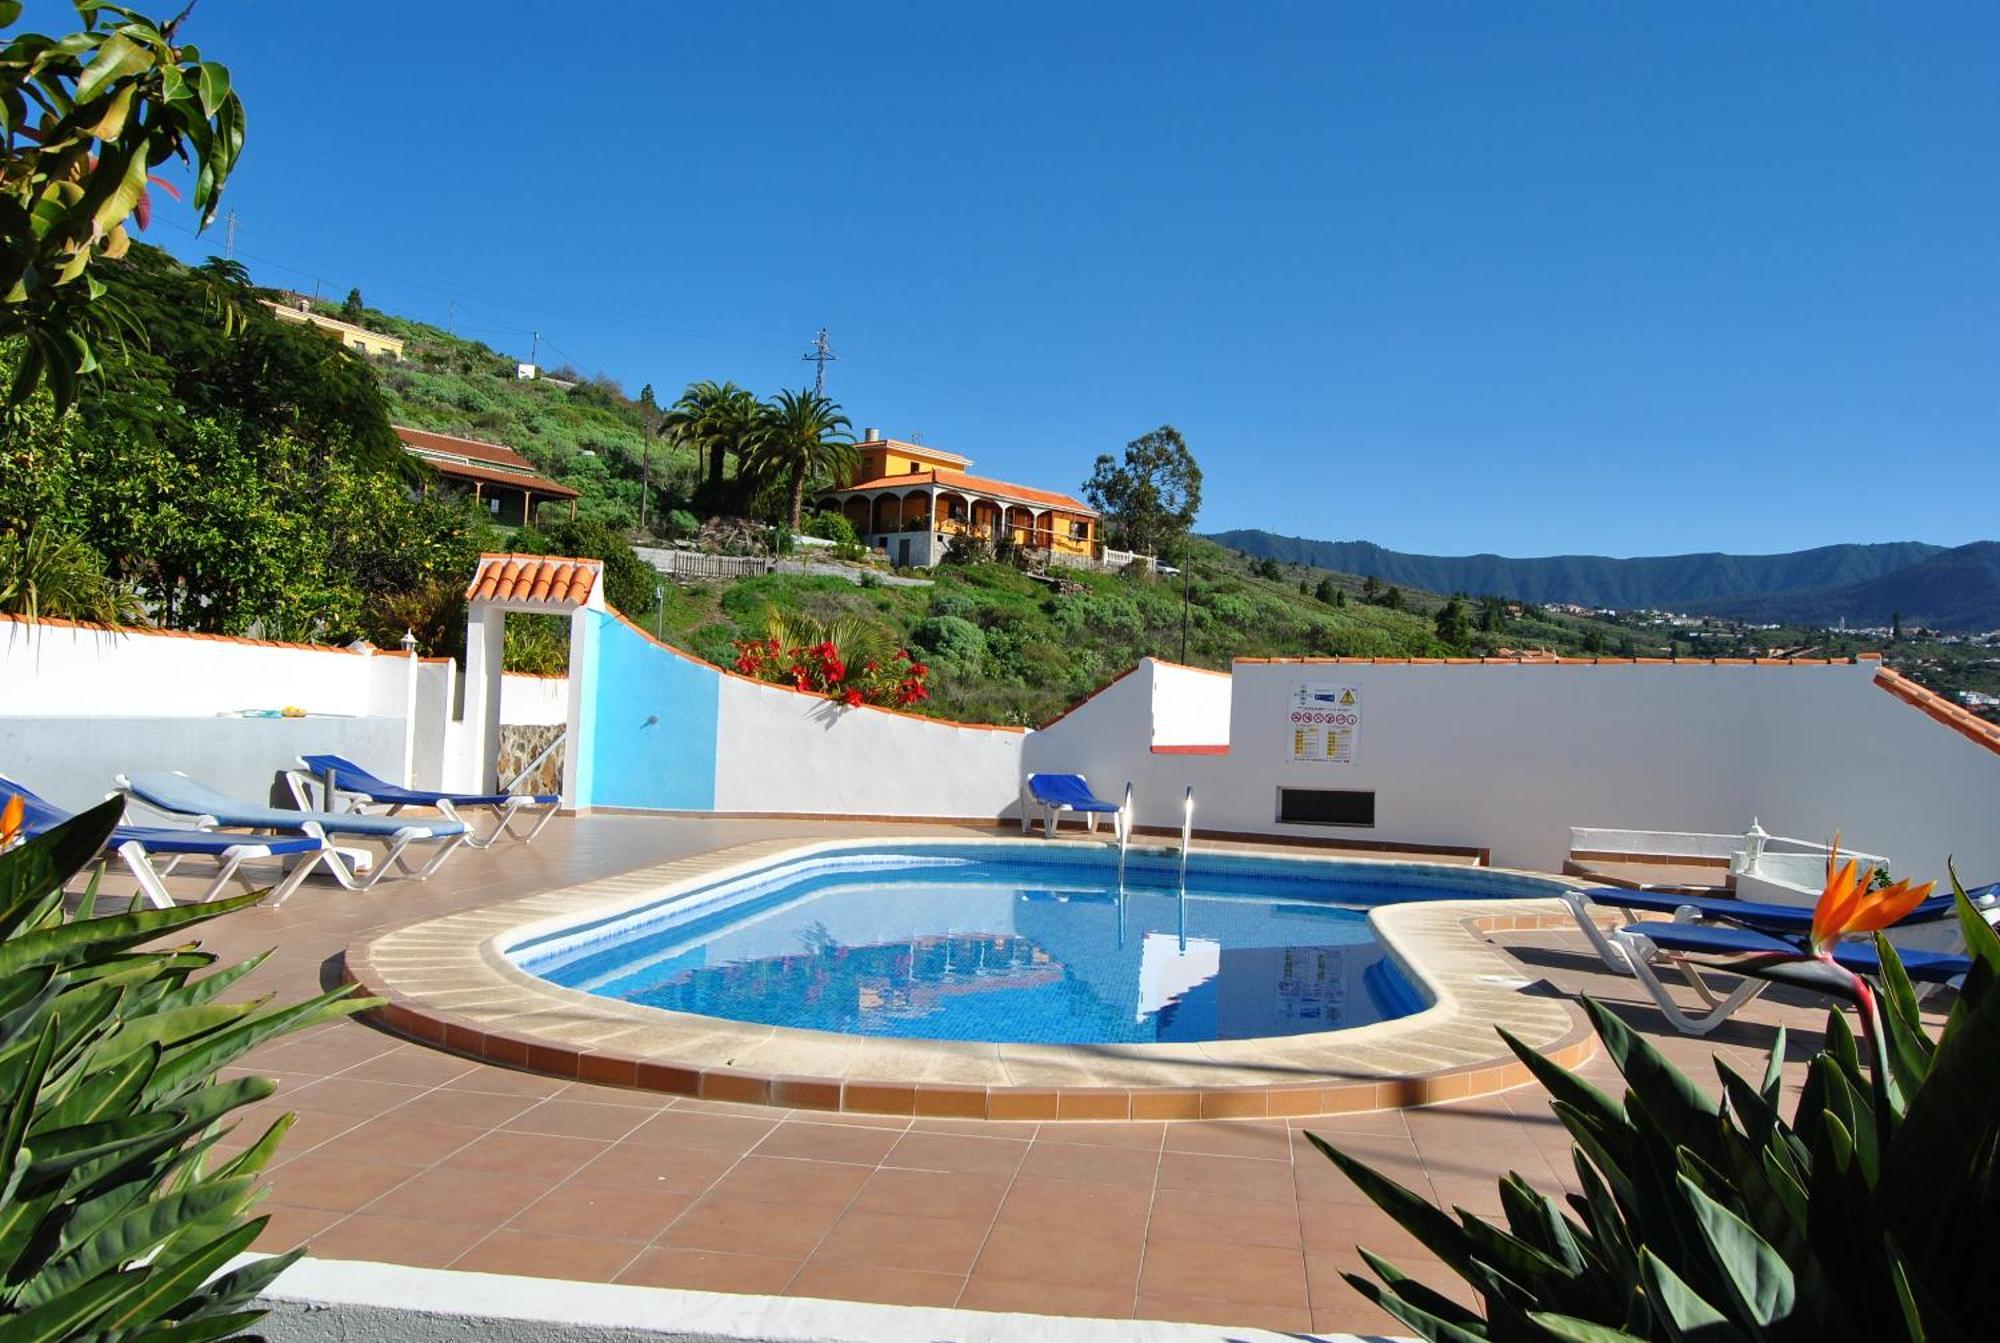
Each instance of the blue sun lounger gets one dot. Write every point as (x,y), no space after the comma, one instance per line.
(137,846)
(361,791)
(1778,920)
(1055,793)
(175,794)
(1645,945)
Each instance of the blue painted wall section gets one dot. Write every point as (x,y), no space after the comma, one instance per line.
(648,722)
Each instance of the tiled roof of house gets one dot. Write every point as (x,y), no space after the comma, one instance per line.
(1959,719)
(533,578)
(1005,491)
(472,459)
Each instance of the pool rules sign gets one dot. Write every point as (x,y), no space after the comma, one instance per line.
(1325,723)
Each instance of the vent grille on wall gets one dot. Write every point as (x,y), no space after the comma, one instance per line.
(1326,806)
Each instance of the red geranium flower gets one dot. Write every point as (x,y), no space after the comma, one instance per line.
(853,698)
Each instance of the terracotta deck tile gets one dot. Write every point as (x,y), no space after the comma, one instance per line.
(1093,1165)
(602,1212)
(1061,1256)
(411,1066)
(794,1183)
(396,1141)
(829,1142)
(1105,1209)
(1240,1314)
(1243,1177)
(397,1240)
(578,1119)
(1143,1136)
(1268,1141)
(961,1155)
(535,1155)
(710,1271)
(738,1226)
(476,1109)
(288,1228)
(932,1193)
(338,1186)
(985,1292)
(1184,1214)
(477,1198)
(736,1133)
(891,1240)
(536,1255)
(867,1282)
(362,1100)
(1211,1270)
(663,1170)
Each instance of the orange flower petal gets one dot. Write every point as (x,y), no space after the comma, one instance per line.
(10,819)
(1837,904)
(1889,905)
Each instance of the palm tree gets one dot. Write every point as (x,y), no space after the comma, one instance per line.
(713,417)
(803,437)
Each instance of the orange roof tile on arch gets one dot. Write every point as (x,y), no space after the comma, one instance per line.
(533,578)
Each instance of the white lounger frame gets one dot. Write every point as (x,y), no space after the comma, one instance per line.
(308,791)
(1030,804)
(346,873)
(139,862)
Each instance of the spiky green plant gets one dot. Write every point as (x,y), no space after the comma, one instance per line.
(1868,1215)
(116,1211)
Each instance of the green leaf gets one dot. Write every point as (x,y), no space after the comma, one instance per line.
(212,84)
(1684,1113)
(167,1284)
(1774,1070)
(135,1235)
(68,1315)
(115,933)
(1757,1276)
(1438,1232)
(1570,1328)
(118,57)
(1420,1296)
(1688,1317)
(1425,1325)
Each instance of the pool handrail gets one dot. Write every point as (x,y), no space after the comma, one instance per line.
(1187,832)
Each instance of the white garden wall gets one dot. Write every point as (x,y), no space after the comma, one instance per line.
(1190,705)
(777,750)
(1509,756)
(534,700)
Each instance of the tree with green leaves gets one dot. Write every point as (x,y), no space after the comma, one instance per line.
(1151,497)
(87,118)
(1453,626)
(802,438)
(718,419)
(353,310)
(1326,591)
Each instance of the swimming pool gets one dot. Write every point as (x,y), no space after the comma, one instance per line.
(1019,944)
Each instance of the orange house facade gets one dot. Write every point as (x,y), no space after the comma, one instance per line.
(908,500)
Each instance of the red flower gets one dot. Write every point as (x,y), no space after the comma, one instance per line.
(853,699)
(873,666)
(919,669)
(836,670)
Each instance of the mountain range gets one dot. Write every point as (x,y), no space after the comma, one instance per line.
(1949,589)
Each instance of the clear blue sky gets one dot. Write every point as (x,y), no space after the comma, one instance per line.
(1522,277)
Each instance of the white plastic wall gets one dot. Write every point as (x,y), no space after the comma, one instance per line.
(1509,757)
(786,752)
(533,700)
(1190,706)
(64,669)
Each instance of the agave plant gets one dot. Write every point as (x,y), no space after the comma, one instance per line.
(116,1210)
(1868,1214)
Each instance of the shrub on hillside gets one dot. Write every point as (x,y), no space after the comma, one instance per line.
(952,643)
(834,527)
(968,548)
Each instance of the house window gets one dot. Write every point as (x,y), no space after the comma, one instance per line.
(1079,531)
(492,503)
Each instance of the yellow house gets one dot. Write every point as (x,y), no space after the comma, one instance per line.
(909,500)
(352,336)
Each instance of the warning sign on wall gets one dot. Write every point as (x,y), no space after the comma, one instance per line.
(1325,723)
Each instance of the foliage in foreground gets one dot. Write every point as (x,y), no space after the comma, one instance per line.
(115,1208)
(1868,1215)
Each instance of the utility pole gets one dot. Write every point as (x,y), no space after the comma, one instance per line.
(535,348)
(450,316)
(821,355)
(1187,576)
(229,238)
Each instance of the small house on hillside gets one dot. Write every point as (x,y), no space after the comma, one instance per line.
(352,336)
(504,482)
(909,500)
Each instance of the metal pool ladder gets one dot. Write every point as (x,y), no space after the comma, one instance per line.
(1187,830)
(1124,831)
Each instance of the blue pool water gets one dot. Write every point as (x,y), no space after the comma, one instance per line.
(1014,944)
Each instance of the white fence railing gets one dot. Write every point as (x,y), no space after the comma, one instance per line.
(695,564)
(1111,559)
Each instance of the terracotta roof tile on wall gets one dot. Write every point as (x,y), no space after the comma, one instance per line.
(1960,720)
(533,578)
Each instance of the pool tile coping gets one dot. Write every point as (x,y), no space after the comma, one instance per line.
(446,982)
